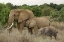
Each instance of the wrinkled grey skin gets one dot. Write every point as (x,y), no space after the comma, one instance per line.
(48,31)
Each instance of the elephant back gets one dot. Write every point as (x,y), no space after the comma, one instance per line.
(42,22)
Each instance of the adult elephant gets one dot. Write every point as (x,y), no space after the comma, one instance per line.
(20,16)
(37,23)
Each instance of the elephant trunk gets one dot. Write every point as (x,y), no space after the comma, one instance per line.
(10,24)
(10,20)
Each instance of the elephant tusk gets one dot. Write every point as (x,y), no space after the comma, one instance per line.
(9,27)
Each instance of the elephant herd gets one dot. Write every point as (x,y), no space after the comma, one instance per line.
(26,18)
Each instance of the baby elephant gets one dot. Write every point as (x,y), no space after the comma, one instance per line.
(49,31)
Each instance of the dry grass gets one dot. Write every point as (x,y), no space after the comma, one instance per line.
(59,25)
(15,36)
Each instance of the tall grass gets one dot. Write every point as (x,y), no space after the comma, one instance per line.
(16,36)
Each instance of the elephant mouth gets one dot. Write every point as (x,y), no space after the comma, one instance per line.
(15,20)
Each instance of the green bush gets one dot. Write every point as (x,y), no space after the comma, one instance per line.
(46,11)
(4,11)
(37,11)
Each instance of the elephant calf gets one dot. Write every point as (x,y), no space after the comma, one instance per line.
(49,31)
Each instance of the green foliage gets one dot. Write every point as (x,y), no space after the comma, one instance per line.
(37,11)
(4,11)
(16,7)
(10,5)
(53,10)
(25,6)
(61,14)
(54,14)
(53,5)
(58,15)
(46,11)
(44,6)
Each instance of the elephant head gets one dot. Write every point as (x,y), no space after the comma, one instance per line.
(30,23)
(32,26)
(19,15)
(49,31)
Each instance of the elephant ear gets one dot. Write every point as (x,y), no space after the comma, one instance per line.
(30,13)
(23,16)
(11,18)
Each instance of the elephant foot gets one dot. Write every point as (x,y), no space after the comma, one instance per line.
(30,31)
(20,31)
(33,35)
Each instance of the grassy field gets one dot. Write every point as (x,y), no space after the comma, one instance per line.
(16,36)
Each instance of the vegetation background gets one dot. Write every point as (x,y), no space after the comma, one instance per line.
(54,11)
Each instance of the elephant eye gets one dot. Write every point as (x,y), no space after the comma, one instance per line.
(14,14)
(17,15)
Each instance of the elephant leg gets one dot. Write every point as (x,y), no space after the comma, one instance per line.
(10,30)
(20,26)
(55,36)
(30,30)
(35,30)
